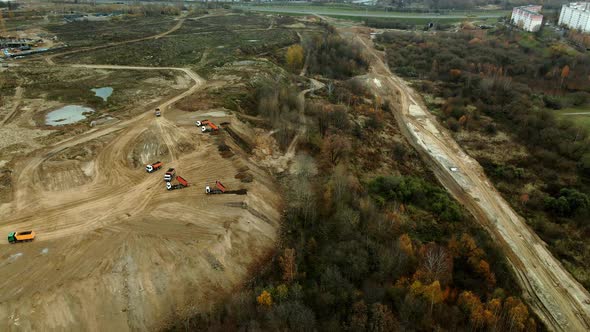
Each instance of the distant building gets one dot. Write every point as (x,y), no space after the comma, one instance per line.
(527,18)
(576,15)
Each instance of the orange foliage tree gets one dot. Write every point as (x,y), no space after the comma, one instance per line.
(264,299)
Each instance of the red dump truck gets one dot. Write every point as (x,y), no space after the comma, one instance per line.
(218,189)
(153,167)
(182,183)
(170,173)
(204,123)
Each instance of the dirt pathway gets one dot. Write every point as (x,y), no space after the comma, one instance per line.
(559,300)
(18,95)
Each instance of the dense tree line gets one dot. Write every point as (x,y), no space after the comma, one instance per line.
(511,82)
(333,57)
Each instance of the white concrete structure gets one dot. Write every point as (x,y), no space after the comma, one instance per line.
(576,15)
(527,17)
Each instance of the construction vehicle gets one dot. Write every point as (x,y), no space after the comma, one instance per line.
(204,123)
(218,189)
(212,127)
(158,113)
(170,173)
(182,183)
(15,237)
(153,167)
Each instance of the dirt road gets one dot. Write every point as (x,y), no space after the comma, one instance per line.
(559,300)
(18,94)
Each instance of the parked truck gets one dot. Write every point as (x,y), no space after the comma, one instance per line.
(170,173)
(218,189)
(212,127)
(204,123)
(15,237)
(153,167)
(182,183)
(158,112)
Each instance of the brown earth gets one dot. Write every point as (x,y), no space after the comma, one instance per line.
(114,249)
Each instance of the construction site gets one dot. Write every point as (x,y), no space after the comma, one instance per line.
(98,204)
(141,180)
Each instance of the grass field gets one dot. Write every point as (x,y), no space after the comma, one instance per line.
(77,34)
(201,44)
(582,120)
(356,13)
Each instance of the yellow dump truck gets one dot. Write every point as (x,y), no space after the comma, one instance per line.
(15,237)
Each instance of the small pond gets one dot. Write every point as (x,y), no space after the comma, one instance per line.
(67,115)
(103,93)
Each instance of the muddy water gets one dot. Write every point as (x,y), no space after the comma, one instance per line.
(103,93)
(67,115)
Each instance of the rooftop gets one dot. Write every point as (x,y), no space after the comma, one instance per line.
(584,6)
(531,9)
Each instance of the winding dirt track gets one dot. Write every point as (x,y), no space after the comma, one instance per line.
(557,298)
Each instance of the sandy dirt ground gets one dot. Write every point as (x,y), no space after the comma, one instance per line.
(555,296)
(114,249)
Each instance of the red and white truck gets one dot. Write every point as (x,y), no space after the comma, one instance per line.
(153,167)
(218,189)
(182,183)
(170,173)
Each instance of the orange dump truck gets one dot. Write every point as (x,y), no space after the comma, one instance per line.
(15,237)
(219,188)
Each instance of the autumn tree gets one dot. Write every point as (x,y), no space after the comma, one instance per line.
(282,292)
(433,293)
(436,264)
(335,148)
(381,319)
(472,305)
(359,317)
(517,312)
(565,72)
(294,57)
(288,264)
(264,299)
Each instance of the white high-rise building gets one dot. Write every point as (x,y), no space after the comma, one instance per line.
(576,15)
(527,17)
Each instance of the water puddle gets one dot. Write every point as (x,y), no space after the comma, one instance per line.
(67,115)
(103,93)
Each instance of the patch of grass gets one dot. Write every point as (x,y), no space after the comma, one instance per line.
(582,120)
(129,86)
(327,9)
(194,50)
(88,33)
